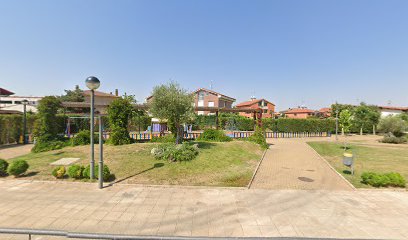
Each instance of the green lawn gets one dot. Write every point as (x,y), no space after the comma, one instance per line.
(378,158)
(218,164)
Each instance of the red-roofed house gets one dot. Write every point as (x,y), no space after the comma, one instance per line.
(5,92)
(267,107)
(389,111)
(299,113)
(324,112)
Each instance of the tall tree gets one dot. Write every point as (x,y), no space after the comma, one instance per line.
(46,126)
(76,95)
(173,103)
(120,112)
(365,117)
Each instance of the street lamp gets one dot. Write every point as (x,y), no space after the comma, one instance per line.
(92,83)
(24,102)
(337,124)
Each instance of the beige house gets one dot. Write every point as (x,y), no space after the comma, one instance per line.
(102,100)
(208,98)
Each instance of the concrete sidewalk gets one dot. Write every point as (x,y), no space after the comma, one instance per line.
(292,164)
(189,211)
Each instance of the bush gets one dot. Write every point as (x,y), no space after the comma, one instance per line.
(75,171)
(390,138)
(84,138)
(173,152)
(213,135)
(105,173)
(299,125)
(169,138)
(17,168)
(44,146)
(258,137)
(383,180)
(3,167)
(59,172)
(392,124)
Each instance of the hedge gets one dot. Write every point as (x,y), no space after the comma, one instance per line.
(299,125)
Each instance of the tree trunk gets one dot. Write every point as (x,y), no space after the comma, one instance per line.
(374,133)
(180,133)
(361,131)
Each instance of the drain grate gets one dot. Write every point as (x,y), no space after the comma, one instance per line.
(305,179)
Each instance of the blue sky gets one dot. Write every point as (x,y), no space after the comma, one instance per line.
(290,52)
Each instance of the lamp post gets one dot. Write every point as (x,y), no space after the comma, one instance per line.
(92,83)
(24,102)
(337,124)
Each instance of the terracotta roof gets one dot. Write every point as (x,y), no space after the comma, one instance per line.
(394,108)
(99,94)
(216,93)
(248,103)
(299,110)
(5,92)
(325,110)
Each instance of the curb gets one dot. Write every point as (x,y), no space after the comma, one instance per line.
(331,167)
(256,169)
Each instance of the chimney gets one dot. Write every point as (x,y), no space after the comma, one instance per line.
(253,98)
(116,92)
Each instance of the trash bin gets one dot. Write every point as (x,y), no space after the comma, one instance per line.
(348,160)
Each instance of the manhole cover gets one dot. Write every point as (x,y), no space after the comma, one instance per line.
(305,179)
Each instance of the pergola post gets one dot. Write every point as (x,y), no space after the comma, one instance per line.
(216,120)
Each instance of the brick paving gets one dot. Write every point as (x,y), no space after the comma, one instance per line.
(292,164)
(195,211)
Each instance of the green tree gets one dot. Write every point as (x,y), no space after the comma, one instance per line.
(345,120)
(120,112)
(340,107)
(173,103)
(46,128)
(76,95)
(365,117)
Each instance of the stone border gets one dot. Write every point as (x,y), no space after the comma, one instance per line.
(332,168)
(257,167)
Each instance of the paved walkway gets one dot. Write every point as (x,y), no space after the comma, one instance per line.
(292,164)
(12,151)
(188,211)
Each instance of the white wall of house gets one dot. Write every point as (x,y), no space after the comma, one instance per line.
(14,103)
(390,112)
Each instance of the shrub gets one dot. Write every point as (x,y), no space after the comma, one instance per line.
(105,172)
(59,172)
(75,171)
(299,125)
(213,135)
(84,138)
(390,138)
(173,152)
(258,137)
(169,138)
(383,180)
(44,146)
(17,168)
(3,167)
(392,124)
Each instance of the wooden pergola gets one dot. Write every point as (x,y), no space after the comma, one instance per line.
(256,112)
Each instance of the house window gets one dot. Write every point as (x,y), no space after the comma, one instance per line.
(211,104)
(200,96)
(265,111)
(6,102)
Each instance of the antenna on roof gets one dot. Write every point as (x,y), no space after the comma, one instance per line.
(211,85)
(389,102)
(253,96)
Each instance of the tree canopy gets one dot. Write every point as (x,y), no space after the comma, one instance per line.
(76,95)
(173,103)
